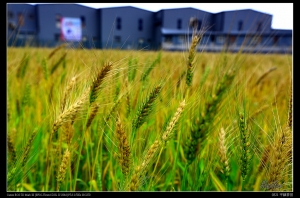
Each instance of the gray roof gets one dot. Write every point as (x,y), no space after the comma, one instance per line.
(226,11)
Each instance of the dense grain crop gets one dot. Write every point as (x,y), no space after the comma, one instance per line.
(120,120)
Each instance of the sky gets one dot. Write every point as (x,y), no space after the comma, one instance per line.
(282,12)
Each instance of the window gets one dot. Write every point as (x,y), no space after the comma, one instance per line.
(240,26)
(57,17)
(256,40)
(168,39)
(181,39)
(193,22)
(20,19)
(179,23)
(56,37)
(212,38)
(119,26)
(117,39)
(259,26)
(157,23)
(31,16)
(10,15)
(232,39)
(140,24)
(82,18)
(58,20)
(11,25)
(220,39)
(199,24)
(141,41)
(275,40)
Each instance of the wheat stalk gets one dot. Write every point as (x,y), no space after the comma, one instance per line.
(140,169)
(199,130)
(290,114)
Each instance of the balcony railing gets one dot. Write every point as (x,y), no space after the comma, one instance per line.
(211,47)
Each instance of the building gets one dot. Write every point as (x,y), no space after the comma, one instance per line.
(125,28)
(21,23)
(173,26)
(128,27)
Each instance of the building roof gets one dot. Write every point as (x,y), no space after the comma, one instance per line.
(63,4)
(184,8)
(281,31)
(123,7)
(243,10)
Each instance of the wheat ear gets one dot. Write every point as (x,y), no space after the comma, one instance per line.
(67,93)
(199,130)
(169,130)
(55,66)
(124,148)
(264,158)
(264,75)
(27,148)
(97,82)
(56,49)
(145,108)
(68,132)
(223,153)
(280,157)
(68,115)
(245,145)
(190,61)
(11,149)
(63,169)
(140,170)
(92,115)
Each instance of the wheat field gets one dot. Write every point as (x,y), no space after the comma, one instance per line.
(120,120)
